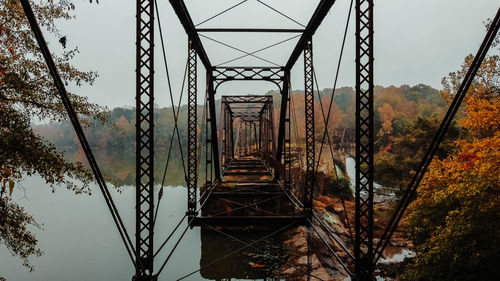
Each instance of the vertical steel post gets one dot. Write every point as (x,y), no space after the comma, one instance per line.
(260,132)
(192,131)
(363,245)
(242,130)
(249,132)
(231,133)
(265,132)
(282,125)
(213,126)
(144,138)
(287,149)
(309,116)
(272,132)
(239,143)
(268,134)
(222,134)
(253,132)
(249,137)
(228,133)
(246,137)
(208,148)
(255,136)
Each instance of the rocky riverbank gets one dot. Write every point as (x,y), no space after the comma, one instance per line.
(323,246)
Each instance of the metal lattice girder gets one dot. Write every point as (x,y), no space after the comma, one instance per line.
(363,246)
(246,108)
(221,142)
(227,139)
(246,115)
(262,133)
(192,131)
(230,121)
(144,138)
(248,99)
(265,132)
(272,130)
(267,142)
(255,134)
(208,148)
(287,149)
(261,114)
(309,116)
(271,74)
(269,129)
(246,136)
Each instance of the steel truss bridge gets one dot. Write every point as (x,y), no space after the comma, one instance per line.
(250,169)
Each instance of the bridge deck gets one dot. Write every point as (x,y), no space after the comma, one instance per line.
(248,196)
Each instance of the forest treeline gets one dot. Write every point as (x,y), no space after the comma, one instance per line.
(455,213)
(400,112)
(396,109)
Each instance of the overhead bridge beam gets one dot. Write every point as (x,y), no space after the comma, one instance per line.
(254,30)
(248,99)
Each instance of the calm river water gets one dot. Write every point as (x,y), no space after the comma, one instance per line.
(81,243)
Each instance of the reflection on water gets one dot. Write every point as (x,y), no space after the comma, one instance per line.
(81,242)
(119,165)
(258,261)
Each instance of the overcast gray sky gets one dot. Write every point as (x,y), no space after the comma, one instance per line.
(415,42)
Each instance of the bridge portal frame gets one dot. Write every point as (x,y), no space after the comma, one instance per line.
(280,76)
(263,117)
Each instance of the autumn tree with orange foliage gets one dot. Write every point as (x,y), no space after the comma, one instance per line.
(454,222)
(387,114)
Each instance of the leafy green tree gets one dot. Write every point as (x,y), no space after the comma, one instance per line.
(27,93)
